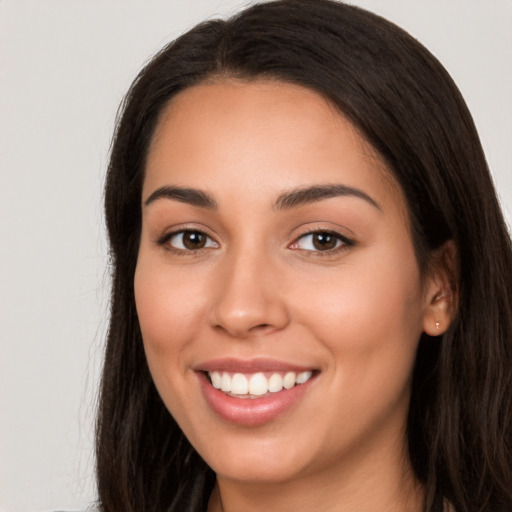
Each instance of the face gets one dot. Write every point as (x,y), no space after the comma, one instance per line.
(277,288)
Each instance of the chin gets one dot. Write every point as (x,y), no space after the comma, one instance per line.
(253,461)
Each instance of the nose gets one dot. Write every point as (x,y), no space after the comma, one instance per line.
(248,301)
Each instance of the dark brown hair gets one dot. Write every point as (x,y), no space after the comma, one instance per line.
(407,107)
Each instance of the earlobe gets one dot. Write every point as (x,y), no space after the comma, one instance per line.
(441,291)
(438,315)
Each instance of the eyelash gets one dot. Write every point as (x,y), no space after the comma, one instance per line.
(342,242)
(165,240)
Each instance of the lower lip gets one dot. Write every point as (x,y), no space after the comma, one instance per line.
(251,411)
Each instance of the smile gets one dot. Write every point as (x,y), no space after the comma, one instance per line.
(241,385)
(253,392)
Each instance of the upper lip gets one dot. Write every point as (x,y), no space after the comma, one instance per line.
(232,364)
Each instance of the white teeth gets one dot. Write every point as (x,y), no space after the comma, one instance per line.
(275,383)
(256,384)
(289,380)
(239,384)
(225,382)
(303,377)
(216,380)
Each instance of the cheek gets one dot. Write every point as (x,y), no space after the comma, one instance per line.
(370,325)
(370,319)
(167,307)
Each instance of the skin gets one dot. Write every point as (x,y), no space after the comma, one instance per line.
(260,288)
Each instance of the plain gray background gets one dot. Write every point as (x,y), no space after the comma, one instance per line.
(64,66)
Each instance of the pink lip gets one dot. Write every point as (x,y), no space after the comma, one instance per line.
(229,364)
(250,411)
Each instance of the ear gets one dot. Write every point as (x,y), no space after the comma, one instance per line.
(441,290)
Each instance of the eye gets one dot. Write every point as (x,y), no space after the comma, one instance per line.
(321,241)
(188,240)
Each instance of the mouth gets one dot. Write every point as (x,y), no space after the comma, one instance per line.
(253,393)
(256,385)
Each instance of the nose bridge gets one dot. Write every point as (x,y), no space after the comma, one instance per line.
(248,301)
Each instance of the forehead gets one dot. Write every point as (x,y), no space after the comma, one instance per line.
(248,107)
(252,133)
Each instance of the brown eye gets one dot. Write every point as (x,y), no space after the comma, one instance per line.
(324,241)
(189,240)
(321,241)
(194,240)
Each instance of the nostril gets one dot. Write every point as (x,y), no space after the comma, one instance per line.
(241,332)
(262,329)
(260,326)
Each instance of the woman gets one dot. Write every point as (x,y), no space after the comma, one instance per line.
(311,305)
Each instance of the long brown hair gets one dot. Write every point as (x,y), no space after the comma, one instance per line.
(408,108)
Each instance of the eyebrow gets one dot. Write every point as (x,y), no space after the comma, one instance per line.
(184,195)
(287,200)
(308,195)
